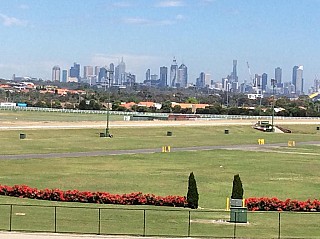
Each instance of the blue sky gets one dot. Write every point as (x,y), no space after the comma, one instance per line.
(205,35)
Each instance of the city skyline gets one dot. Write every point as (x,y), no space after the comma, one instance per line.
(205,35)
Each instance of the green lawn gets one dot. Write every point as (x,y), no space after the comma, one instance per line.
(284,173)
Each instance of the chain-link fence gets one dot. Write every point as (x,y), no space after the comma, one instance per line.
(157,222)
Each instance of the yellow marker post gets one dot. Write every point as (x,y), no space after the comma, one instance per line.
(291,143)
(228,204)
(260,141)
(166,149)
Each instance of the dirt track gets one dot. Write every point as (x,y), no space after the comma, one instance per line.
(13,125)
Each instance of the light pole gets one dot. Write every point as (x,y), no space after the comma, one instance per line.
(273,82)
(108,106)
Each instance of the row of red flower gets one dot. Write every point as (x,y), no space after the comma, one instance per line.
(136,198)
(275,204)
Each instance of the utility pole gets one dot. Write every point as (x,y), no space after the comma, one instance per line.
(108,106)
(273,83)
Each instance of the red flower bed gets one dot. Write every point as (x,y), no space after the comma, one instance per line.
(137,198)
(275,204)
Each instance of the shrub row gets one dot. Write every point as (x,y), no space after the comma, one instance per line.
(275,204)
(136,198)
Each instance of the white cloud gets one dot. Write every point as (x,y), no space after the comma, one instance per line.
(180,17)
(11,21)
(170,3)
(122,4)
(148,22)
(24,6)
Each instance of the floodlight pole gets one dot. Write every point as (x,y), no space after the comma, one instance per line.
(108,106)
(273,82)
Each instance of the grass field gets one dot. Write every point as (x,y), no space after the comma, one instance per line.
(279,172)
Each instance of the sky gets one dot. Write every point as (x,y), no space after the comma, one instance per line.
(205,35)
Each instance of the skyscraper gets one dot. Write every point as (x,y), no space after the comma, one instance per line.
(64,76)
(120,73)
(75,71)
(87,71)
(297,79)
(182,80)
(234,72)
(278,75)
(148,75)
(163,76)
(56,73)
(173,73)
(264,82)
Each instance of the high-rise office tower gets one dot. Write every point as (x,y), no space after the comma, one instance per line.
(173,73)
(120,73)
(56,73)
(148,75)
(163,76)
(75,71)
(64,76)
(111,73)
(97,70)
(294,75)
(87,71)
(182,76)
(102,76)
(278,75)
(234,72)
(264,81)
(297,79)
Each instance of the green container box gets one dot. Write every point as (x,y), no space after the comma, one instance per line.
(238,214)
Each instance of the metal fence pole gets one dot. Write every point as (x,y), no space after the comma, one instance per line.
(279,232)
(235,225)
(55,219)
(144,222)
(189,226)
(10,218)
(99,224)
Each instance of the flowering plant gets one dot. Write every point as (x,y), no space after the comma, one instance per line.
(136,198)
(275,204)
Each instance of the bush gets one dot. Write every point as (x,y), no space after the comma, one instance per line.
(237,190)
(136,198)
(192,195)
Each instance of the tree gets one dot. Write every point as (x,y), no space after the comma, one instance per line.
(237,190)
(192,195)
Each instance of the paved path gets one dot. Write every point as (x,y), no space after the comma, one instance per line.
(147,151)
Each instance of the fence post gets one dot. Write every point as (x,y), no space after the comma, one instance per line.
(144,222)
(235,225)
(279,232)
(99,224)
(55,219)
(189,226)
(10,218)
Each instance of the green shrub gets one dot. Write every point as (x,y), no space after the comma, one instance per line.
(237,190)
(192,195)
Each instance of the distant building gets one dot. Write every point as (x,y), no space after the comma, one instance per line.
(278,75)
(56,73)
(173,73)
(297,79)
(182,79)
(120,73)
(75,71)
(148,75)
(264,82)
(87,71)
(64,76)
(163,76)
